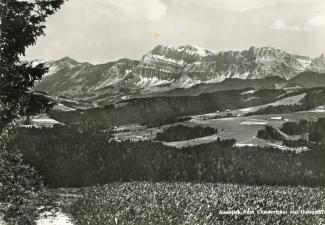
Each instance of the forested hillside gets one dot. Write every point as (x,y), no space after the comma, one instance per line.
(162,110)
(310,134)
(314,97)
(76,156)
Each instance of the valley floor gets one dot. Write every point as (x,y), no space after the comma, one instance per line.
(242,128)
(187,203)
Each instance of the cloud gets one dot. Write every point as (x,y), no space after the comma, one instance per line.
(317,21)
(133,9)
(280,24)
(246,5)
(314,22)
(231,5)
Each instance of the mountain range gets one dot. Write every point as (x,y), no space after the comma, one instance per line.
(167,69)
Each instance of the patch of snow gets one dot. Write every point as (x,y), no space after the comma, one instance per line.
(276,118)
(45,120)
(107,82)
(35,62)
(249,109)
(285,148)
(319,109)
(127,72)
(241,76)
(244,145)
(304,63)
(52,70)
(186,82)
(114,80)
(248,92)
(148,59)
(289,100)
(195,50)
(285,101)
(217,79)
(125,97)
(54,218)
(61,107)
(251,98)
(277,146)
(67,100)
(201,51)
(76,74)
(191,50)
(253,123)
(152,81)
(193,142)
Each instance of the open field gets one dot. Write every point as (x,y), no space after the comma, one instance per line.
(244,129)
(190,203)
(232,125)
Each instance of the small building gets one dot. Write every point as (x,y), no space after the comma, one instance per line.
(43,122)
(277,118)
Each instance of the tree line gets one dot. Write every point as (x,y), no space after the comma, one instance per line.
(75,156)
(312,133)
(163,110)
(314,97)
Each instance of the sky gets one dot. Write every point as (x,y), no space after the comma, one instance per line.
(99,31)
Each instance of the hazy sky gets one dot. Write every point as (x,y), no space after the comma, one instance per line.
(105,30)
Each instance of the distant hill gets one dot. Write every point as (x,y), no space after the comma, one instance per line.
(309,79)
(164,110)
(227,84)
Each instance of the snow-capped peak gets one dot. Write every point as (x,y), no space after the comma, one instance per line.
(193,49)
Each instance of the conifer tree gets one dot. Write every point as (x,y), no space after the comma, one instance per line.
(21,23)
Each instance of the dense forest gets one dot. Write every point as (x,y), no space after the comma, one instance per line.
(308,79)
(269,133)
(312,133)
(156,111)
(183,133)
(314,97)
(163,110)
(75,156)
(280,109)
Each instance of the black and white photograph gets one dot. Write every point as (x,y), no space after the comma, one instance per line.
(162,112)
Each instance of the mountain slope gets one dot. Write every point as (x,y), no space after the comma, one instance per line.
(318,64)
(167,68)
(227,84)
(198,65)
(69,77)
